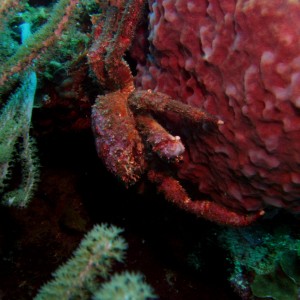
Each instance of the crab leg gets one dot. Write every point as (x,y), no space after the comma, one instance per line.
(209,210)
(159,103)
(119,73)
(103,33)
(112,38)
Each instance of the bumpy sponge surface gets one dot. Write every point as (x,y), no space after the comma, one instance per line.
(239,60)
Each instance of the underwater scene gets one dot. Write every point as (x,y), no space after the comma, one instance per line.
(149,149)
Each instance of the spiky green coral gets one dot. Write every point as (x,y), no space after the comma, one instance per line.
(43,39)
(8,45)
(15,120)
(94,258)
(125,286)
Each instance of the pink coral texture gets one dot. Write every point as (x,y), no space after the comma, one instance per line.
(240,61)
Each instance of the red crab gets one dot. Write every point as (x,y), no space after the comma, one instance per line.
(129,139)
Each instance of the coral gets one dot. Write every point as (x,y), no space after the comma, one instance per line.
(14,134)
(274,286)
(15,122)
(265,262)
(20,64)
(7,5)
(93,259)
(38,43)
(127,285)
(240,62)
(283,282)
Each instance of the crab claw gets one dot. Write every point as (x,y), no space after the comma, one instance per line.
(165,145)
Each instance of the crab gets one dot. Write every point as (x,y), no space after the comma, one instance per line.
(129,138)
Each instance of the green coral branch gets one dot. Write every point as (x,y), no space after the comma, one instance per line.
(15,122)
(125,286)
(22,195)
(15,125)
(95,256)
(38,43)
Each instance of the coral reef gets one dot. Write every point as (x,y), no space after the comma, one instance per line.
(211,120)
(131,137)
(240,62)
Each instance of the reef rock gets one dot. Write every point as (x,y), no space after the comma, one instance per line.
(238,60)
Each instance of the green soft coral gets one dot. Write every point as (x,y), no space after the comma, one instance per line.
(16,145)
(95,256)
(125,286)
(270,256)
(80,277)
(283,282)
